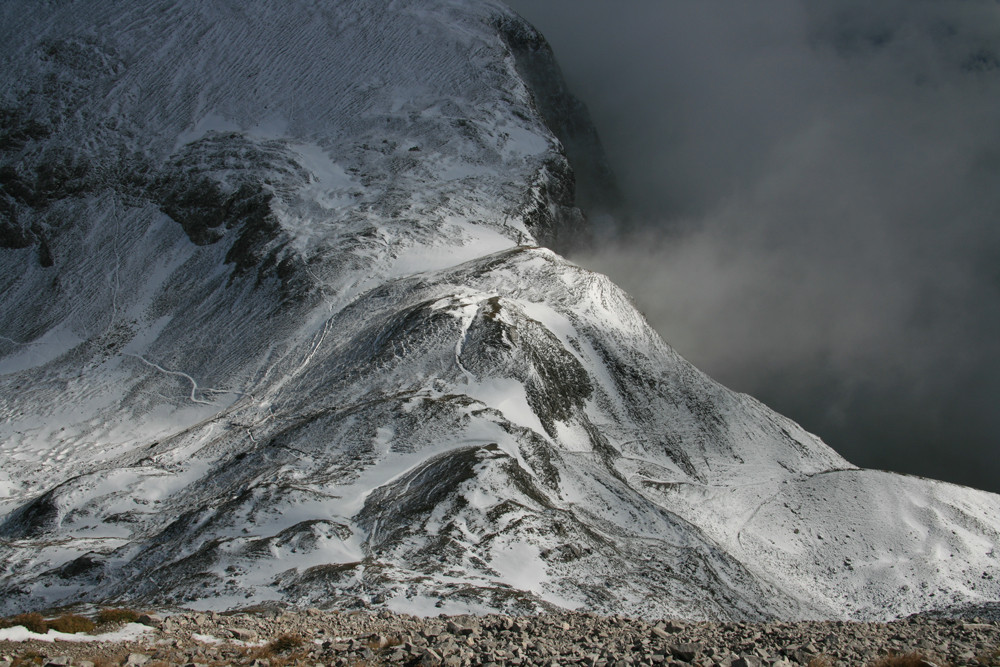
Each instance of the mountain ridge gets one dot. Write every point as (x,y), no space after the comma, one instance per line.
(288,332)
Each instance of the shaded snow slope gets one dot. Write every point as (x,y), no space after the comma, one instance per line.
(280,327)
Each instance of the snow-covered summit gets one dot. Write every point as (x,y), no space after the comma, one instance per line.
(279,327)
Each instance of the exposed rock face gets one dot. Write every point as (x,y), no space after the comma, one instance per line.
(568,118)
(284,331)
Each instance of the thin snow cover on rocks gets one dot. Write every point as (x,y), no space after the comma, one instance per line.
(282,328)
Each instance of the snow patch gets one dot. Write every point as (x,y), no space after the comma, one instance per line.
(53,344)
(128,633)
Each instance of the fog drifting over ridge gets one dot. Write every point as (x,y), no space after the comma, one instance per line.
(814,190)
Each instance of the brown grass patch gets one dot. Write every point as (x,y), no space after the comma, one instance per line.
(284,644)
(280,651)
(110,615)
(32,621)
(71,624)
(913,659)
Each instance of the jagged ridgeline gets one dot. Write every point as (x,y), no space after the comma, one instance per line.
(283,320)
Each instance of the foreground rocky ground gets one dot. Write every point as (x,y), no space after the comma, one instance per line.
(313,637)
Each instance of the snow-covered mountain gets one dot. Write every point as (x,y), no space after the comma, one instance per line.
(278,325)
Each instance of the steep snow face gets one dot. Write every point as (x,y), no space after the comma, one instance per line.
(282,330)
(187,184)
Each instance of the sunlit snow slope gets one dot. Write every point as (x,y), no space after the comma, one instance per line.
(278,325)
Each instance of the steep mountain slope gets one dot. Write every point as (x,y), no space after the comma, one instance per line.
(278,326)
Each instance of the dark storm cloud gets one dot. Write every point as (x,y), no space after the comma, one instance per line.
(815,192)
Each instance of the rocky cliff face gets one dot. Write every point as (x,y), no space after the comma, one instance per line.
(280,327)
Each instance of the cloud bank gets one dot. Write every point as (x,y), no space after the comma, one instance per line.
(814,201)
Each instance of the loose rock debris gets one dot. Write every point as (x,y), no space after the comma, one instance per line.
(272,638)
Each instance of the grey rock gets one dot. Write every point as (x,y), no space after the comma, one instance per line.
(687,652)
(154,620)
(800,656)
(977,627)
(430,657)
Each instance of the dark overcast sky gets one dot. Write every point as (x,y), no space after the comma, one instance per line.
(815,189)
